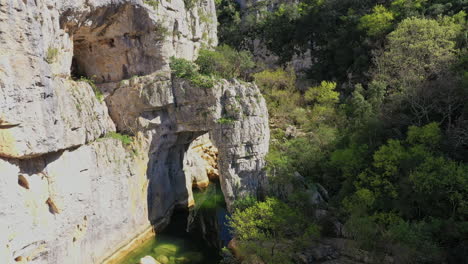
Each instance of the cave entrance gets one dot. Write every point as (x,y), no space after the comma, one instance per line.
(112,43)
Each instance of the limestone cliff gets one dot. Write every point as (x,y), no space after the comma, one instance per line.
(73,193)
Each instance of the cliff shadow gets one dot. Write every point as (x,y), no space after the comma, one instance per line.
(169,187)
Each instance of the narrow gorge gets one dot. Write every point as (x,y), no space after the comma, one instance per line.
(99,141)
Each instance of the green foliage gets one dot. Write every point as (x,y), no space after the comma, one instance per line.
(415,239)
(323,95)
(444,183)
(225,62)
(244,203)
(429,135)
(386,134)
(51,55)
(97,91)
(284,103)
(418,49)
(205,17)
(153,3)
(189,4)
(209,199)
(161,32)
(202,81)
(271,230)
(278,28)
(182,68)
(278,79)
(229,20)
(407,8)
(225,120)
(125,139)
(378,22)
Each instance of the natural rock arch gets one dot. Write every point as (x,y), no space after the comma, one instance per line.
(121,48)
(172,113)
(53,129)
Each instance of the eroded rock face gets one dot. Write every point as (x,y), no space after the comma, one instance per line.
(70,193)
(43,44)
(80,206)
(232,113)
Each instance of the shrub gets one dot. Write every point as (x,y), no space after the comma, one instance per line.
(161,32)
(96,90)
(152,3)
(189,4)
(226,120)
(183,68)
(51,55)
(276,79)
(244,203)
(202,81)
(188,70)
(125,139)
(225,62)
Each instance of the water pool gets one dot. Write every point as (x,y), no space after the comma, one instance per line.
(174,245)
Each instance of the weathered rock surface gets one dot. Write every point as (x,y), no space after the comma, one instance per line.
(70,194)
(80,206)
(232,113)
(200,161)
(44,43)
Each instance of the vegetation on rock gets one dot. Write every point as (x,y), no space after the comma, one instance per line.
(125,139)
(97,92)
(51,55)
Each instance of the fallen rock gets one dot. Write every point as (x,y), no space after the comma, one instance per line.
(148,260)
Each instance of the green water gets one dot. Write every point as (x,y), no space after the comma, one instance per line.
(174,245)
(170,249)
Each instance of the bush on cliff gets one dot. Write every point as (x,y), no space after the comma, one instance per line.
(225,62)
(182,68)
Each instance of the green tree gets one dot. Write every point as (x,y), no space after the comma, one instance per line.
(283,100)
(323,100)
(417,50)
(225,62)
(271,230)
(378,22)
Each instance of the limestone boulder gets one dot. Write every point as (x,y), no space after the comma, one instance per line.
(148,260)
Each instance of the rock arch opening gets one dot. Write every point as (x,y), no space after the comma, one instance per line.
(183,162)
(113,43)
(184,196)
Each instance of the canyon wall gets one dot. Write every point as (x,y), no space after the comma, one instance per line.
(75,191)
